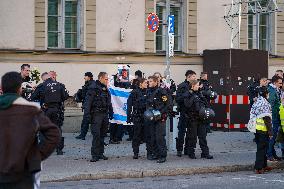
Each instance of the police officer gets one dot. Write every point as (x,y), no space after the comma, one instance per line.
(136,106)
(158,101)
(80,97)
(254,87)
(27,87)
(98,104)
(206,90)
(52,94)
(182,124)
(194,102)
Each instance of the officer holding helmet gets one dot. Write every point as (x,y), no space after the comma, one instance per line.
(158,104)
(197,112)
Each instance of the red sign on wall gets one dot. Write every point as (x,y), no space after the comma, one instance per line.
(153,22)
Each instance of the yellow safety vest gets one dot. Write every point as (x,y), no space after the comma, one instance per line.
(281,113)
(260,125)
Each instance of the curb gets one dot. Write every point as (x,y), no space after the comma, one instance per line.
(160,172)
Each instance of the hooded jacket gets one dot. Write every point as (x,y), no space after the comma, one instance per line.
(21,152)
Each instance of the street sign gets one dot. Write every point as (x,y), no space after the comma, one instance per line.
(153,22)
(171,26)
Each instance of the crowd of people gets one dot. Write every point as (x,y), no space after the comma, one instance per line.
(266,116)
(149,106)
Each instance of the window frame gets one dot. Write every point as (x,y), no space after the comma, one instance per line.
(61,26)
(180,34)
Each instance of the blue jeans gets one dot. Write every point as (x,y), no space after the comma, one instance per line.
(271,150)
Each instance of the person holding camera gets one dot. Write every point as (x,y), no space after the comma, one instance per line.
(197,112)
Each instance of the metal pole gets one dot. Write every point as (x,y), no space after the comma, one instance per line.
(167,71)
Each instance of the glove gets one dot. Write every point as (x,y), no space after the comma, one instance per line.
(129,119)
(110,116)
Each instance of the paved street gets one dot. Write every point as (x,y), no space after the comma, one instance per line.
(232,151)
(239,180)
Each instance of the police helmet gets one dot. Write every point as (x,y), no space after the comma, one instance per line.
(211,94)
(206,113)
(152,115)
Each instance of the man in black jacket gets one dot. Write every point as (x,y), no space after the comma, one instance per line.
(81,97)
(98,105)
(182,125)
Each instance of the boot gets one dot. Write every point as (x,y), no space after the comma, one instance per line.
(162,160)
(208,156)
(192,156)
(103,157)
(179,153)
(95,159)
(135,156)
(59,152)
(80,137)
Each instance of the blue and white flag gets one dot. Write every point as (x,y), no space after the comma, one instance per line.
(119,98)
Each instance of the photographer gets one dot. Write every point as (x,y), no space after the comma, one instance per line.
(208,93)
(197,112)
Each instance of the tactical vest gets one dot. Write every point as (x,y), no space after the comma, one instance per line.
(52,92)
(260,125)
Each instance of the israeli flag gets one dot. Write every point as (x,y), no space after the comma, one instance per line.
(119,98)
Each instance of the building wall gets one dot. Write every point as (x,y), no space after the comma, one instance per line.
(71,68)
(17,24)
(212,30)
(280,29)
(111,16)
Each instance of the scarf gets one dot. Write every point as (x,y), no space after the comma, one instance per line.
(6,100)
(260,108)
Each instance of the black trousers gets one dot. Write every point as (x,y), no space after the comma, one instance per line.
(197,129)
(262,142)
(116,131)
(85,125)
(99,129)
(53,113)
(137,132)
(26,183)
(158,144)
(182,130)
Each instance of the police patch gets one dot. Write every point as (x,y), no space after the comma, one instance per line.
(164,98)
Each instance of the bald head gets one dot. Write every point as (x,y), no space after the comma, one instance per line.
(52,75)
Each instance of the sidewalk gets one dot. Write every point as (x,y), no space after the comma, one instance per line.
(232,151)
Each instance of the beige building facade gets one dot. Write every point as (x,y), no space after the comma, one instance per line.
(76,36)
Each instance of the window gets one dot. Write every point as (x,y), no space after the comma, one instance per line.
(161,33)
(258,31)
(63,27)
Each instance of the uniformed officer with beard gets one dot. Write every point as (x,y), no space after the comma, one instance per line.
(136,106)
(98,105)
(183,124)
(159,103)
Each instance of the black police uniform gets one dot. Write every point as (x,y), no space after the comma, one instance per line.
(53,96)
(158,99)
(136,106)
(194,101)
(98,104)
(37,95)
(182,124)
(206,87)
(81,97)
